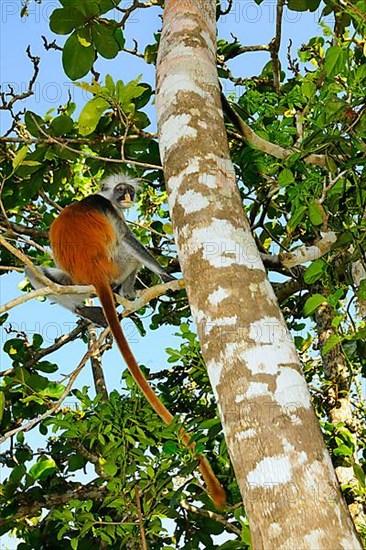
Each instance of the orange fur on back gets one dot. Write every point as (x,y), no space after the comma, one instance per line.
(81,239)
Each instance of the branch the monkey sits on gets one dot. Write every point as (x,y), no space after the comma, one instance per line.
(93,245)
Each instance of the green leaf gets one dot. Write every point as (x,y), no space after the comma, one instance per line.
(285,177)
(332,341)
(19,157)
(170,448)
(335,60)
(360,475)
(13,346)
(109,82)
(207,424)
(303,5)
(17,473)
(90,115)
(53,390)
(62,124)
(315,213)
(126,93)
(119,38)
(315,270)
(76,462)
(361,291)
(77,60)
(2,404)
(308,89)
(32,121)
(65,20)
(297,217)
(313,303)
(106,5)
(343,450)
(110,468)
(88,8)
(46,366)
(104,41)
(150,53)
(43,468)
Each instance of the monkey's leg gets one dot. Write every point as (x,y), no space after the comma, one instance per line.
(73,302)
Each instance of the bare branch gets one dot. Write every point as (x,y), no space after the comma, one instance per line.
(145,296)
(252,139)
(23,230)
(328,186)
(24,260)
(50,45)
(60,342)
(8,105)
(134,51)
(85,141)
(210,515)
(144,545)
(33,508)
(128,11)
(246,49)
(309,253)
(96,157)
(275,46)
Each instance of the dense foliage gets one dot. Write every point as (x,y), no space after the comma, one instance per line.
(107,473)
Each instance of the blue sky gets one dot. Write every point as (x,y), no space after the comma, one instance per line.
(252,24)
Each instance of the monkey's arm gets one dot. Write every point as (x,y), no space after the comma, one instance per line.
(73,302)
(130,245)
(142,255)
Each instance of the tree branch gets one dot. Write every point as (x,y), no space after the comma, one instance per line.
(308,253)
(255,141)
(8,105)
(144,545)
(96,364)
(33,508)
(275,46)
(210,515)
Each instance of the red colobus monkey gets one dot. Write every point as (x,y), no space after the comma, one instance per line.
(93,245)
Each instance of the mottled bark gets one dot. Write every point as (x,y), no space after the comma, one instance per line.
(283,469)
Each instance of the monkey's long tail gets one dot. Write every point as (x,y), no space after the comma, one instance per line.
(214,487)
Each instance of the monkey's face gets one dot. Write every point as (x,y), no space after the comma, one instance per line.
(124,195)
(120,189)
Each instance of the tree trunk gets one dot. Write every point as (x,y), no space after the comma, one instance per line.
(282,466)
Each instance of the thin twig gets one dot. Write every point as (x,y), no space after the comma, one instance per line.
(97,157)
(140,519)
(55,407)
(275,46)
(8,105)
(210,515)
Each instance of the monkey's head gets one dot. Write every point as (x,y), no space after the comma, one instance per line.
(120,189)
